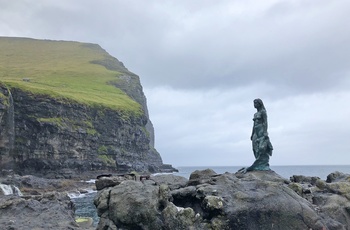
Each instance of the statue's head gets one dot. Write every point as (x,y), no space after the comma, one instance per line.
(258,103)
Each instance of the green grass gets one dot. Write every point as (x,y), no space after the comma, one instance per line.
(107,160)
(63,70)
(64,123)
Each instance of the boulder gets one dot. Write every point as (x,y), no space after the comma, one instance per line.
(338,177)
(255,200)
(201,176)
(130,205)
(105,182)
(173,181)
(304,179)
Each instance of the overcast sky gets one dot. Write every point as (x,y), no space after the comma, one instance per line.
(203,62)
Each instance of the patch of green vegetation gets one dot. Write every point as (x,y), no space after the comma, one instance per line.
(68,71)
(91,131)
(20,140)
(4,100)
(88,124)
(65,123)
(90,128)
(106,159)
(2,96)
(58,121)
(148,135)
(102,149)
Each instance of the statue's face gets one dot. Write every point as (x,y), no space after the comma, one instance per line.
(256,104)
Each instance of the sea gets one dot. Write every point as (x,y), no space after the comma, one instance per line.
(84,206)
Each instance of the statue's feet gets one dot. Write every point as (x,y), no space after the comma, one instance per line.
(243,170)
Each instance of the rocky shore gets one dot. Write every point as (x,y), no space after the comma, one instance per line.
(41,204)
(207,200)
(255,200)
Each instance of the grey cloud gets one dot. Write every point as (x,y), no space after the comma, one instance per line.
(214,126)
(299,45)
(203,62)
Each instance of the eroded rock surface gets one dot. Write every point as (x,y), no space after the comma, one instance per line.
(48,211)
(255,200)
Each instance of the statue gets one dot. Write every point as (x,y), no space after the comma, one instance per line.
(262,146)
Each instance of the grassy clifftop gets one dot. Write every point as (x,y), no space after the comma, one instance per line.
(72,71)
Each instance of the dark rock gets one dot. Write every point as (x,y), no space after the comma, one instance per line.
(201,176)
(49,211)
(103,175)
(338,177)
(132,205)
(105,182)
(166,168)
(32,185)
(304,179)
(173,181)
(255,200)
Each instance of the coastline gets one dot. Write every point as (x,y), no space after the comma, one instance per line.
(286,171)
(83,192)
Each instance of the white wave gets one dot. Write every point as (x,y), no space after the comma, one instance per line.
(77,194)
(91,181)
(10,190)
(16,191)
(6,189)
(90,190)
(165,173)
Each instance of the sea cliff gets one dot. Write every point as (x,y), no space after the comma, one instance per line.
(68,107)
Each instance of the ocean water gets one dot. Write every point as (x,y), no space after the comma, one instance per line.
(85,207)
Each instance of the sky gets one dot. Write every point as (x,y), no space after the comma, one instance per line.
(203,62)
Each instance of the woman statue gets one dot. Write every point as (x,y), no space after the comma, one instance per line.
(262,146)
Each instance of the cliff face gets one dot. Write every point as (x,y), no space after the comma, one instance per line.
(51,131)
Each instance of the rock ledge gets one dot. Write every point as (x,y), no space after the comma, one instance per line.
(255,200)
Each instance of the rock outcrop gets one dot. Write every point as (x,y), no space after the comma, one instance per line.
(255,200)
(45,134)
(30,202)
(48,211)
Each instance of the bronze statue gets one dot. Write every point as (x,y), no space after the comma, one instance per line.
(262,146)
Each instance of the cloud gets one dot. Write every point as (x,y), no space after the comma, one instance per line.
(215,126)
(202,62)
(301,45)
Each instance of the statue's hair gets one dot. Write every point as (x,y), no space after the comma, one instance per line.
(261,103)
